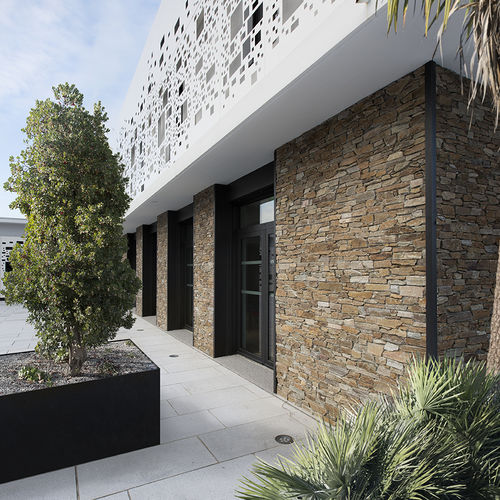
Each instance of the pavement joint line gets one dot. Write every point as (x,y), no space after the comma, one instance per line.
(209,450)
(197,469)
(76,483)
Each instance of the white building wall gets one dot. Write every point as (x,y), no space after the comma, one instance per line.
(198,64)
(11,233)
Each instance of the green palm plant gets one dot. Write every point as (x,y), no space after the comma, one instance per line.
(437,438)
(481,24)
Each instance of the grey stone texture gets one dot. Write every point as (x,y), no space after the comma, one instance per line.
(350,238)
(468,222)
(203,270)
(161,271)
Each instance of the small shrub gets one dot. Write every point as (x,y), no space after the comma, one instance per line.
(438,438)
(34,374)
(107,368)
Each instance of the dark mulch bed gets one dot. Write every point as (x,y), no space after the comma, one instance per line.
(116,358)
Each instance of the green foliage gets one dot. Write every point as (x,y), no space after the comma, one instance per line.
(481,24)
(34,374)
(70,273)
(438,438)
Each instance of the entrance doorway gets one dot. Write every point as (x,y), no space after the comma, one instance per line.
(186,257)
(256,278)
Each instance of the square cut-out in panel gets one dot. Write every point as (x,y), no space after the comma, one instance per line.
(210,72)
(199,65)
(200,23)
(289,7)
(246,47)
(198,116)
(235,64)
(184,109)
(161,128)
(236,20)
(255,18)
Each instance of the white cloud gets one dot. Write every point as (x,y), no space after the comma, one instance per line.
(95,44)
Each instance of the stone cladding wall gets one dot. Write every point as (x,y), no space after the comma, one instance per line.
(139,241)
(468,218)
(203,270)
(350,244)
(161,271)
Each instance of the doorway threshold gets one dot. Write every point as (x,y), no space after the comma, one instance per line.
(260,375)
(184,336)
(150,319)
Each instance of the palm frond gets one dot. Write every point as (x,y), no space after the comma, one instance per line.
(481,25)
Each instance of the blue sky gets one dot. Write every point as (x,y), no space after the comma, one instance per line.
(95,44)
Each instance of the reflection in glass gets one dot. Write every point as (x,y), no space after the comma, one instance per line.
(258,212)
(271,255)
(251,263)
(267,211)
(250,309)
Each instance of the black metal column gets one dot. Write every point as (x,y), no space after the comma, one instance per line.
(430,212)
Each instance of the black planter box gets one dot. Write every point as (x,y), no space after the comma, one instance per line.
(52,428)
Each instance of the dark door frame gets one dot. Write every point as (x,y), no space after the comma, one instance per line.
(263,231)
(186,322)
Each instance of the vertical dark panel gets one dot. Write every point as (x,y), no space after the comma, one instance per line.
(131,251)
(275,377)
(173,273)
(430,211)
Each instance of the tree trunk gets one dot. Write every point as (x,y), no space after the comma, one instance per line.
(77,356)
(494,350)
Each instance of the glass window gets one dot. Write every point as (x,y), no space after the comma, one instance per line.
(258,212)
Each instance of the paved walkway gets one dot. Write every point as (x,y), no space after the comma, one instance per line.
(214,424)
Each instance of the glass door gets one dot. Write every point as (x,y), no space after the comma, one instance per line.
(256,281)
(187,274)
(251,293)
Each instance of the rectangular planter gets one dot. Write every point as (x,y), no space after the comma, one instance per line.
(51,428)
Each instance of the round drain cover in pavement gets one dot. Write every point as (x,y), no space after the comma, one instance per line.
(284,439)
(173,355)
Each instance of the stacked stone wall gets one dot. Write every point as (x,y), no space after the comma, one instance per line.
(350,235)
(139,242)
(203,270)
(161,271)
(468,218)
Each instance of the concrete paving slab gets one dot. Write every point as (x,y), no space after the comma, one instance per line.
(211,399)
(249,411)
(256,436)
(57,485)
(110,475)
(216,482)
(183,426)
(226,422)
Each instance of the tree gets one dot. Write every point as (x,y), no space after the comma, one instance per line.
(70,273)
(482,26)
